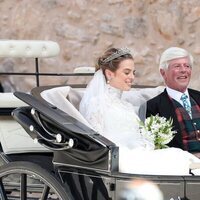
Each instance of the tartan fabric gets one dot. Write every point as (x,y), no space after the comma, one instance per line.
(190,128)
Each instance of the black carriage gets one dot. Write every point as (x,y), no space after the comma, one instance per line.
(56,155)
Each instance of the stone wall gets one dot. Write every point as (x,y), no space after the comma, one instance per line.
(85,28)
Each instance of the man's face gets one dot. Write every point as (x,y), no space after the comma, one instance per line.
(178,74)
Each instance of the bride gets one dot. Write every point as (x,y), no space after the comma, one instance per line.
(115,119)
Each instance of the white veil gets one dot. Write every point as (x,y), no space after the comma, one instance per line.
(93,99)
(94,108)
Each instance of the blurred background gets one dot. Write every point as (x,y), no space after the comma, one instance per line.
(85,28)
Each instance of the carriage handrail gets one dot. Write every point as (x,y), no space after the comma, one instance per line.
(46,74)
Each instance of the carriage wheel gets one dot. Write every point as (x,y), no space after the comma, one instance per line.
(28,181)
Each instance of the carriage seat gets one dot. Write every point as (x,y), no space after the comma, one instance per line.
(139,96)
(68,99)
(8,100)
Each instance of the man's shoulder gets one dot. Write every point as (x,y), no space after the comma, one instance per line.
(193,91)
(157,98)
(195,94)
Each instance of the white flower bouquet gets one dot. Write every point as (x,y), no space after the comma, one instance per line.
(157,130)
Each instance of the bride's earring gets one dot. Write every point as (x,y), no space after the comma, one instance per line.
(108,80)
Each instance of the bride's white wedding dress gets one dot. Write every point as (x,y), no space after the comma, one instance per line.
(116,119)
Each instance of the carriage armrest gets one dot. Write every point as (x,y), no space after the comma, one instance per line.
(8,100)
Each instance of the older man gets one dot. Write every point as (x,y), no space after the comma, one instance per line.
(177,101)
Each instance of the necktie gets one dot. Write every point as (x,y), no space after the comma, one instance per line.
(186,105)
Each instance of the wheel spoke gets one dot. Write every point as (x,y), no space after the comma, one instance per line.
(23,187)
(45,192)
(3,195)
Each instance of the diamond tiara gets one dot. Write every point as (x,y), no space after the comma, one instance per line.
(117,54)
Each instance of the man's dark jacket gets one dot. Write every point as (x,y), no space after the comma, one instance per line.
(163,106)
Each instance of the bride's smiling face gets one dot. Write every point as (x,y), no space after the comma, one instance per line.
(123,77)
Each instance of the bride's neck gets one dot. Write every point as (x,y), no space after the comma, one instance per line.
(114,91)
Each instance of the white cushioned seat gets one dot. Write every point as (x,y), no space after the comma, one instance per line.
(28,48)
(68,99)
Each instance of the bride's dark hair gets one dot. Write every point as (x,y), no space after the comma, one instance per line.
(112,58)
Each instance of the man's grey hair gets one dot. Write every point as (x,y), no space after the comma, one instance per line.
(174,53)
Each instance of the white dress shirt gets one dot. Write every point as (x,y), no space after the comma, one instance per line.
(177,95)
